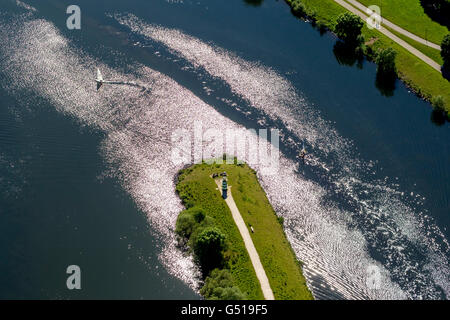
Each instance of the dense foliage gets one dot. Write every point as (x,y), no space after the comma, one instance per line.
(348,27)
(440,6)
(386,61)
(220,286)
(438,103)
(209,247)
(190,222)
(298,8)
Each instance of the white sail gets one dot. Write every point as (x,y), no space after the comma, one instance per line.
(99,75)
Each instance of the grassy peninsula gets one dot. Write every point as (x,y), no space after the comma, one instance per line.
(420,77)
(199,193)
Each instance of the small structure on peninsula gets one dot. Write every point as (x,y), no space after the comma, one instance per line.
(224,188)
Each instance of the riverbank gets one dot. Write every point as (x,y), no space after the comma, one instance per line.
(416,74)
(197,189)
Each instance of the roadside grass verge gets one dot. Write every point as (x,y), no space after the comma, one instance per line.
(277,257)
(428,51)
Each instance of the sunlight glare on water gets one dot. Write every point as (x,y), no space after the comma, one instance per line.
(334,242)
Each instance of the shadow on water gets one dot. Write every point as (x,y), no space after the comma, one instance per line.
(348,54)
(386,83)
(255,3)
(437,10)
(438,117)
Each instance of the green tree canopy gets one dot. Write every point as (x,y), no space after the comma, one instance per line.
(438,103)
(386,61)
(219,286)
(208,248)
(185,225)
(298,8)
(191,222)
(348,27)
(199,214)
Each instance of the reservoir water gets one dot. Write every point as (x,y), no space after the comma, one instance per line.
(86,176)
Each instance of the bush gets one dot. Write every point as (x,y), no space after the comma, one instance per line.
(445,52)
(186,224)
(199,215)
(209,247)
(298,8)
(280,220)
(386,61)
(348,27)
(438,103)
(219,286)
(191,222)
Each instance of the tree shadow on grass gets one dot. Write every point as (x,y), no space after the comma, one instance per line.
(438,11)
(446,72)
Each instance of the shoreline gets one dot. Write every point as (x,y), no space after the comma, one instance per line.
(420,78)
(196,188)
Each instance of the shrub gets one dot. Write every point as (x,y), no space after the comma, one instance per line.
(438,103)
(199,215)
(298,8)
(280,220)
(348,27)
(209,247)
(322,26)
(219,286)
(185,224)
(386,61)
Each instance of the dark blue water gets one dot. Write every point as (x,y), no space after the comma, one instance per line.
(379,177)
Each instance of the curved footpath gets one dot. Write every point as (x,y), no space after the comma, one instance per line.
(392,36)
(254,257)
(396,28)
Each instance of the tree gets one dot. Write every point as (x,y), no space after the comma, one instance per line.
(386,61)
(298,8)
(199,215)
(438,103)
(445,52)
(185,224)
(348,27)
(220,286)
(208,248)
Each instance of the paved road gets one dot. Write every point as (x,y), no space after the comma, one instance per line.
(254,257)
(396,27)
(389,34)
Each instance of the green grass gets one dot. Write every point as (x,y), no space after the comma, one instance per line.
(410,15)
(198,189)
(430,52)
(422,78)
(282,268)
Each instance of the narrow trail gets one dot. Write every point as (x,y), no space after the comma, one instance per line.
(254,257)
